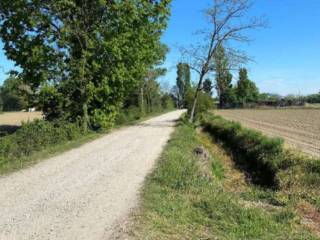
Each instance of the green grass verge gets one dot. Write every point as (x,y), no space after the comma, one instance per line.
(186,198)
(267,161)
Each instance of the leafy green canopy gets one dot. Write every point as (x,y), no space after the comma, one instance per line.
(13,94)
(223,78)
(247,91)
(183,82)
(207,86)
(84,55)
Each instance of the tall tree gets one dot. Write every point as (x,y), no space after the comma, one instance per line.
(247,91)
(223,77)
(207,86)
(183,82)
(228,23)
(91,51)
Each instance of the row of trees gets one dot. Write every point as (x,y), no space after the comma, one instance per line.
(242,94)
(276,100)
(150,97)
(313,98)
(83,57)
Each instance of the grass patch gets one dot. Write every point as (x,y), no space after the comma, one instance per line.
(257,154)
(179,201)
(264,158)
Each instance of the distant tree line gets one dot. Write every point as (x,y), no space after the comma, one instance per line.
(275,100)
(243,94)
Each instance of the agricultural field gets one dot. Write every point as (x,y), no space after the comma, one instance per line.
(300,128)
(16,118)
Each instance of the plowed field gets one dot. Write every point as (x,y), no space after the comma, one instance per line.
(300,128)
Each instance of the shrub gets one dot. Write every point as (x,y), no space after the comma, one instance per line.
(204,102)
(36,136)
(130,114)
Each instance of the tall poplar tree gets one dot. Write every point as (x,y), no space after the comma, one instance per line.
(183,82)
(247,91)
(207,86)
(223,77)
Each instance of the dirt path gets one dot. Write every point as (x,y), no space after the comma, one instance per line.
(85,193)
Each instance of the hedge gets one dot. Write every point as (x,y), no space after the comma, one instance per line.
(36,136)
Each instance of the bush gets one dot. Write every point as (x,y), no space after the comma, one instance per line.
(128,115)
(204,102)
(36,136)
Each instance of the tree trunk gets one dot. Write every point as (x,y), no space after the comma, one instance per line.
(84,98)
(85,117)
(142,101)
(191,119)
(193,110)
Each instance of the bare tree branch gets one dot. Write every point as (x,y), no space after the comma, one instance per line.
(227,23)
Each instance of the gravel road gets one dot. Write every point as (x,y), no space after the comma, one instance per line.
(85,193)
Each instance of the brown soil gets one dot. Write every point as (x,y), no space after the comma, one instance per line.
(16,118)
(300,128)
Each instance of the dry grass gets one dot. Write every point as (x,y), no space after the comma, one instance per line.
(16,118)
(299,127)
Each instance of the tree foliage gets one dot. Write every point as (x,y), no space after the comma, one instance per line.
(313,98)
(183,82)
(13,94)
(152,90)
(247,92)
(148,98)
(205,101)
(207,86)
(223,77)
(86,54)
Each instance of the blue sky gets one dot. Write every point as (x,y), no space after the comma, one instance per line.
(286,54)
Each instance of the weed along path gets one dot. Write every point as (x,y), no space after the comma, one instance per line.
(85,193)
